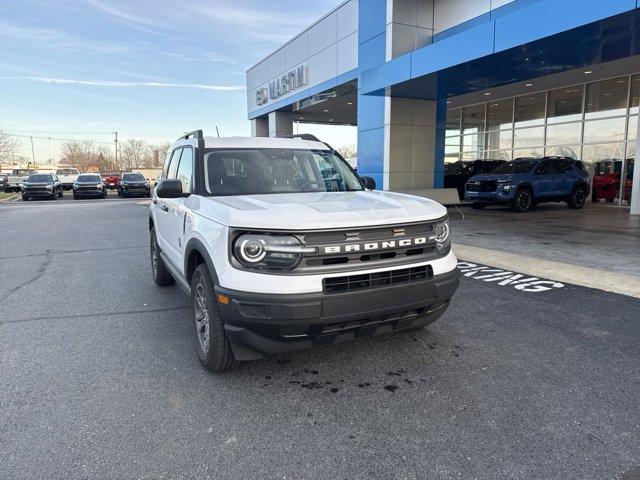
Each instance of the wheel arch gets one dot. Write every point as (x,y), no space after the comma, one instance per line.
(196,253)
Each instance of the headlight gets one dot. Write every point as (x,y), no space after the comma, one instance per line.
(504,185)
(264,251)
(441,234)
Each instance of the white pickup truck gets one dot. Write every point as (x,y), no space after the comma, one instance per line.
(13,181)
(67,177)
(282,246)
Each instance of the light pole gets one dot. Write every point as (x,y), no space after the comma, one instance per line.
(116,142)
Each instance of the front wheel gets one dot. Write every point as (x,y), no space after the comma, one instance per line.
(159,270)
(477,206)
(578,197)
(214,349)
(25,198)
(523,201)
(61,193)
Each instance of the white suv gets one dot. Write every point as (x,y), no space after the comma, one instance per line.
(282,246)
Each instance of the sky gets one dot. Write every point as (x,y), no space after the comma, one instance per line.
(152,69)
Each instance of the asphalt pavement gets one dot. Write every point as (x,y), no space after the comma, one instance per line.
(99,377)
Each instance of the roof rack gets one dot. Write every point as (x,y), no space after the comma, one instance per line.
(195,134)
(306,136)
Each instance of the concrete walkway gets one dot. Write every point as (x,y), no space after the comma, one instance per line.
(597,247)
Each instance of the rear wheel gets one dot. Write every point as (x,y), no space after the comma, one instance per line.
(214,349)
(523,201)
(478,206)
(159,270)
(578,197)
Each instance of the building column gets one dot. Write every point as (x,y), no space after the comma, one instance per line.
(635,184)
(280,124)
(410,149)
(260,127)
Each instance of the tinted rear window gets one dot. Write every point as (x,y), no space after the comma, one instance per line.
(66,171)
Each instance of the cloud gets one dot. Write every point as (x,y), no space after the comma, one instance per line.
(109,83)
(137,22)
(56,39)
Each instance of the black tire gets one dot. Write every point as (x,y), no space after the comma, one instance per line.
(54,196)
(123,195)
(25,198)
(104,194)
(75,197)
(523,201)
(478,206)
(214,349)
(61,193)
(159,270)
(578,197)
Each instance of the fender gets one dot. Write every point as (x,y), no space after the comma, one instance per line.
(194,244)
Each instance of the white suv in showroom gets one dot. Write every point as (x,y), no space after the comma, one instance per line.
(282,246)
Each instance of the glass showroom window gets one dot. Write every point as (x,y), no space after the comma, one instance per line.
(452,135)
(529,110)
(635,94)
(607,98)
(565,104)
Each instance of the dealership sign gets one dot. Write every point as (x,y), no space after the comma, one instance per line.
(290,81)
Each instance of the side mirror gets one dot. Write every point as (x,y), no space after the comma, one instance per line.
(369,183)
(169,188)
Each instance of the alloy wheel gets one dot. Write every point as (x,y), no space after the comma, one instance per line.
(202,317)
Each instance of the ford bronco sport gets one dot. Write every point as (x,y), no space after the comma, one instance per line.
(282,246)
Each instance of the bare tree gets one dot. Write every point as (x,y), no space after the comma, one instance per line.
(79,154)
(104,158)
(8,147)
(134,151)
(347,151)
(157,154)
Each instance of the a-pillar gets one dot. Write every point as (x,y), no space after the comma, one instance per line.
(280,124)
(260,127)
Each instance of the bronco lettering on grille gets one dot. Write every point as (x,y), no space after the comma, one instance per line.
(382,245)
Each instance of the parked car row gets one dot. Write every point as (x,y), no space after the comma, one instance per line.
(49,185)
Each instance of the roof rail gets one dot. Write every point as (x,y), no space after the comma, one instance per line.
(195,134)
(306,136)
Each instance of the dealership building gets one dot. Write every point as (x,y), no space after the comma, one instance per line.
(433,82)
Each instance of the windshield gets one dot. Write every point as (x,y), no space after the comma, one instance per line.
(21,173)
(89,179)
(133,177)
(39,178)
(67,171)
(516,167)
(274,170)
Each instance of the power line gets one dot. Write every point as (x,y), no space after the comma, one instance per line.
(59,139)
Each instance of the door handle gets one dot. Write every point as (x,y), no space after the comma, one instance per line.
(164,208)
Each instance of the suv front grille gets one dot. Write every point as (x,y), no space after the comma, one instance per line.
(482,186)
(351,283)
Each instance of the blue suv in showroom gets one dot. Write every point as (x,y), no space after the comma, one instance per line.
(524,182)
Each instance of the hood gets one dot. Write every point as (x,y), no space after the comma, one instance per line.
(492,177)
(38,184)
(311,211)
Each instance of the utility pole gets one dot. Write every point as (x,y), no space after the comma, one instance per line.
(33,153)
(116,141)
(50,152)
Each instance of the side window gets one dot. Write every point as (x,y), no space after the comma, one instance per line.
(173,167)
(562,166)
(544,168)
(185,170)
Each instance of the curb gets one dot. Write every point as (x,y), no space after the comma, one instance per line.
(620,283)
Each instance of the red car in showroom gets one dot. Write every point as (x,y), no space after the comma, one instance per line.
(110,179)
(606,180)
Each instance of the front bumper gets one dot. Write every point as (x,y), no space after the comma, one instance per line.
(499,196)
(135,190)
(259,324)
(89,192)
(38,193)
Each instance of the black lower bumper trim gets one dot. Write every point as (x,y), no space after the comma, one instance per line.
(259,324)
